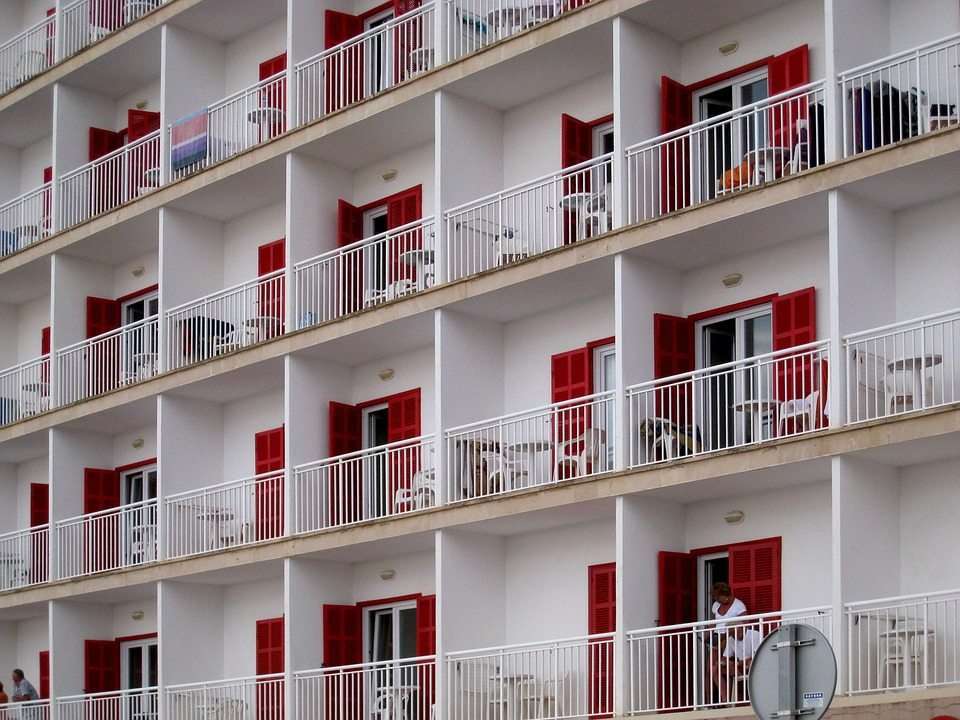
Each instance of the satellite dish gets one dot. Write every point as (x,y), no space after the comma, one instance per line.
(793,674)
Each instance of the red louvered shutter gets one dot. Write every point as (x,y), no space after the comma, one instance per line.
(101,490)
(269,649)
(576,146)
(342,635)
(403,208)
(350,230)
(106,183)
(44,674)
(51,37)
(755,574)
(103,361)
(101,666)
(343,79)
(403,423)
(426,645)
(144,164)
(570,378)
(271,258)
(268,496)
(602,618)
(676,593)
(103,142)
(39,504)
(674,352)
(141,123)
(39,516)
(45,352)
(339,27)
(346,481)
(272,98)
(795,323)
(47,199)
(785,72)
(404,6)
(103,315)
(676,111)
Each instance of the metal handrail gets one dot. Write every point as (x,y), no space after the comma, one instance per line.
(533,411)
(225,291)
(364,241)
(497,649)
(872,65)
(883,330)
(366,452)
(228,483)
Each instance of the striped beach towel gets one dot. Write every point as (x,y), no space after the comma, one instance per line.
(188,141)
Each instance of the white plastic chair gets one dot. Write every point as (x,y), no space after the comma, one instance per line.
(511,246)
(901,389)
(801,411)
(592,446)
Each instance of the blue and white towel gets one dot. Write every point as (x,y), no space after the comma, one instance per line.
(188,141)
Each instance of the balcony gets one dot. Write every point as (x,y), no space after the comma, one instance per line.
(140,703)
(563,441)
(110,181)
(391,689)
(35,709)
(365,274)
(25,220)
(27,54)
(903,367)
(25,390)
(530,219)
(219,517)
(673,668)
(901,96)
(747,402)
(551,680)
(226,321)
(109,361)
(372,484)
(112,539)
(260,696)
(25,557)
(87,22)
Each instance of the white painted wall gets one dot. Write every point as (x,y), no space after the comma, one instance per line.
(71,452)
(190,453)
(470,613)
(929,502)
(768,33)
(243,605)
(800,515)
(243,235)
(148,93)
(466,133)
(195,611)
(191,257)
(21,642)
(411,370)
(914,22)
(33,159)
(314,188)
(123,451)
(414,167)
(31,317)
(531,132)
(556,559)
(124,624)
(415,573)
(9,176)
(76,279)
(530,342)
(72,623)
(861,29)
(308,434)
(244,55)
(9,496)
(28,472)
(186,89)
(310,583)
(463,343)
(77,111)
(242,419)
(125,282)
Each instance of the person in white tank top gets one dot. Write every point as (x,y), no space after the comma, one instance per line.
(725,608)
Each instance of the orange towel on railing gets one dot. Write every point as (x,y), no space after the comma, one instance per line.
(737,176)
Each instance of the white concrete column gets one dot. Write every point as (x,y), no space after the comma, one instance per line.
(866,541)
(831,95)
(55,151)
(58,42)
(165,116)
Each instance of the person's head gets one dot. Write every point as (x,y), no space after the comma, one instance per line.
(721,592)
(17,676)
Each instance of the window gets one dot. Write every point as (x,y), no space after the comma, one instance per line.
(731,142)
(603,145)
(138,669)
(375,426)
(711,568)
(375,223)
(390,631)
(379,67)
(729,392)
(139,524)
(141,346)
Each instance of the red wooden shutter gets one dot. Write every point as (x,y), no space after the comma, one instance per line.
(601,618)
(403,6)
(426,625)
(350,230)
(403,415)
(785,72)
(101,490)
(755,574)
(269,68)
(570,375)
(45,352)
(51,38)
(274,97)
(676,588)
(795,323)
(576,141)
(268,496)
(39,504)
(44,674)
(402,208)
(141,123)
(674,352)
(349,223)
(103,315)
(342,635)
(676,111)
(270,646)
(345,433)
(270,258)
(570,378)
(101,666)
(103,142)
(339,27)
(47,198)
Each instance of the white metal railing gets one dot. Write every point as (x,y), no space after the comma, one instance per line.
(24,557)
(232,125)
(571,678)
(363,66)
(259,697)
(87,22)
(31,710)
(563,441)
(555,210)
(911,365)
(473,24)
(111,539)
(755,144)
(25,220)
(903,642)
(110,181)
(25,390)
(109,361)
(366,273)
(390,690)
(745,402)
(245,314)
(136,704)
(27,54)
(368,484)
(702,665)
(901,96)
(234,513)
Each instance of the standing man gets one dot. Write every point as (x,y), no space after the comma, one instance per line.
(23,689)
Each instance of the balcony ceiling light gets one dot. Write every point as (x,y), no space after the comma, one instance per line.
(732,280)
(388,574)
(386,374)
(729,48)
(734,517)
